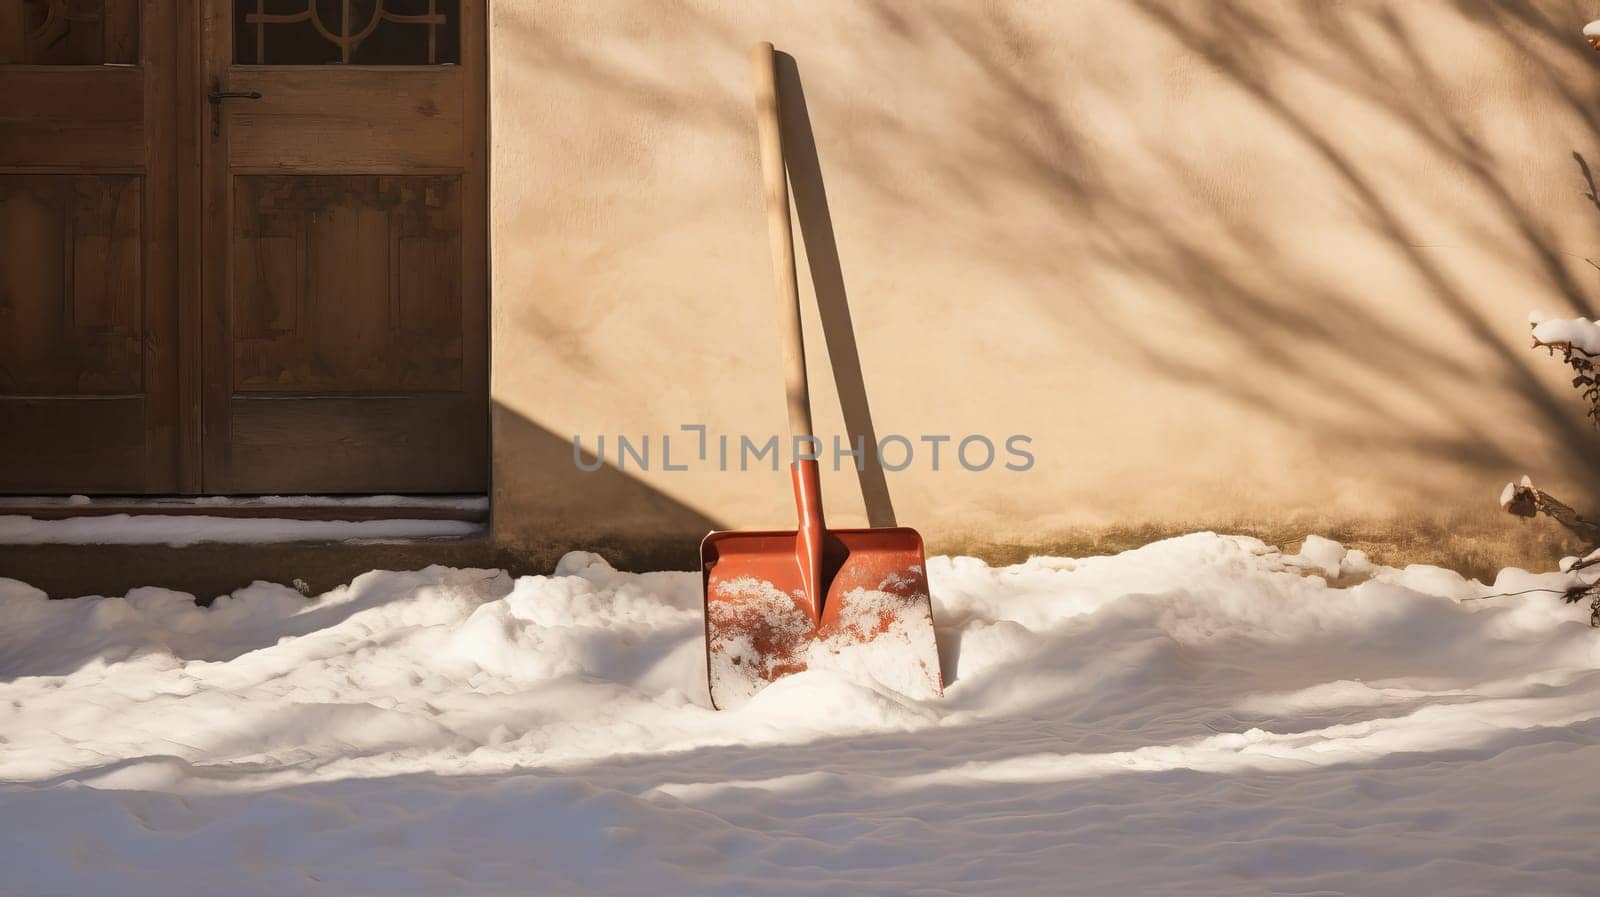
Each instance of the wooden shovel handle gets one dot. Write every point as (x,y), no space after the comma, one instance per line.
(763,62)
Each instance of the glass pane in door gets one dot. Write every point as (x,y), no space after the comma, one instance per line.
(346,32)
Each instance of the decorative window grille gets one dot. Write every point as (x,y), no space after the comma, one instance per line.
(346,32)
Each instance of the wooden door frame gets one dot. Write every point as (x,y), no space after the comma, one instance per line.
(157,39)
(191,248)
(205,376)
(476,328)
(213,39)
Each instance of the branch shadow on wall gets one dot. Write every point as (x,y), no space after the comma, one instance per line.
(1316,352)
(1292,325)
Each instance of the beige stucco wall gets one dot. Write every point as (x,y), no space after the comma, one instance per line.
(1255,265)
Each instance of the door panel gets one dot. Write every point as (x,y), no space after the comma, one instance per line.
(94,444)
(345,315)
(371,443)
(346,284)
(101,128)
(88,290)
(69,285)
(69,32)
(363,121)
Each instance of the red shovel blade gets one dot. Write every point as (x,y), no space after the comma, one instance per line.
(875,618)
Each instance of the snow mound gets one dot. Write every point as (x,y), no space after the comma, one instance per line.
(1204,714)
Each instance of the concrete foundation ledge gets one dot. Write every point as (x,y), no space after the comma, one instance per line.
(1476,544)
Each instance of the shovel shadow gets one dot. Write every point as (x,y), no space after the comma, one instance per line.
(810,197)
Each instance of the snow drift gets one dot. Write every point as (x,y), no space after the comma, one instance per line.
(1204,713)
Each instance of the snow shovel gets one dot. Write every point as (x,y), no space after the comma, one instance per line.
(783,601)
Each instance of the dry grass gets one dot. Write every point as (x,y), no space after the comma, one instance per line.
(1477,544)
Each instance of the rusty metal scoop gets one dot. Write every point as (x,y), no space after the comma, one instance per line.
(783,601)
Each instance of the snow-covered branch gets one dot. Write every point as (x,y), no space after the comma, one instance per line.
(1524,500)
(1577,334)
(1578,341)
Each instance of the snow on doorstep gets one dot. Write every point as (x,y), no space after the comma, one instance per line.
(439,502)
(1204,716)
(190,529)
(452,502)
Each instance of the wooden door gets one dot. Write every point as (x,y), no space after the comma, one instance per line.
(345,262)
(89,333)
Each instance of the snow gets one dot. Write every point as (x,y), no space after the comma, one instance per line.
(1580,333)
(881,638)
(190,529)
(1204,715)
(1507,494)
(439,502)
(1592,29)
(731,649)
